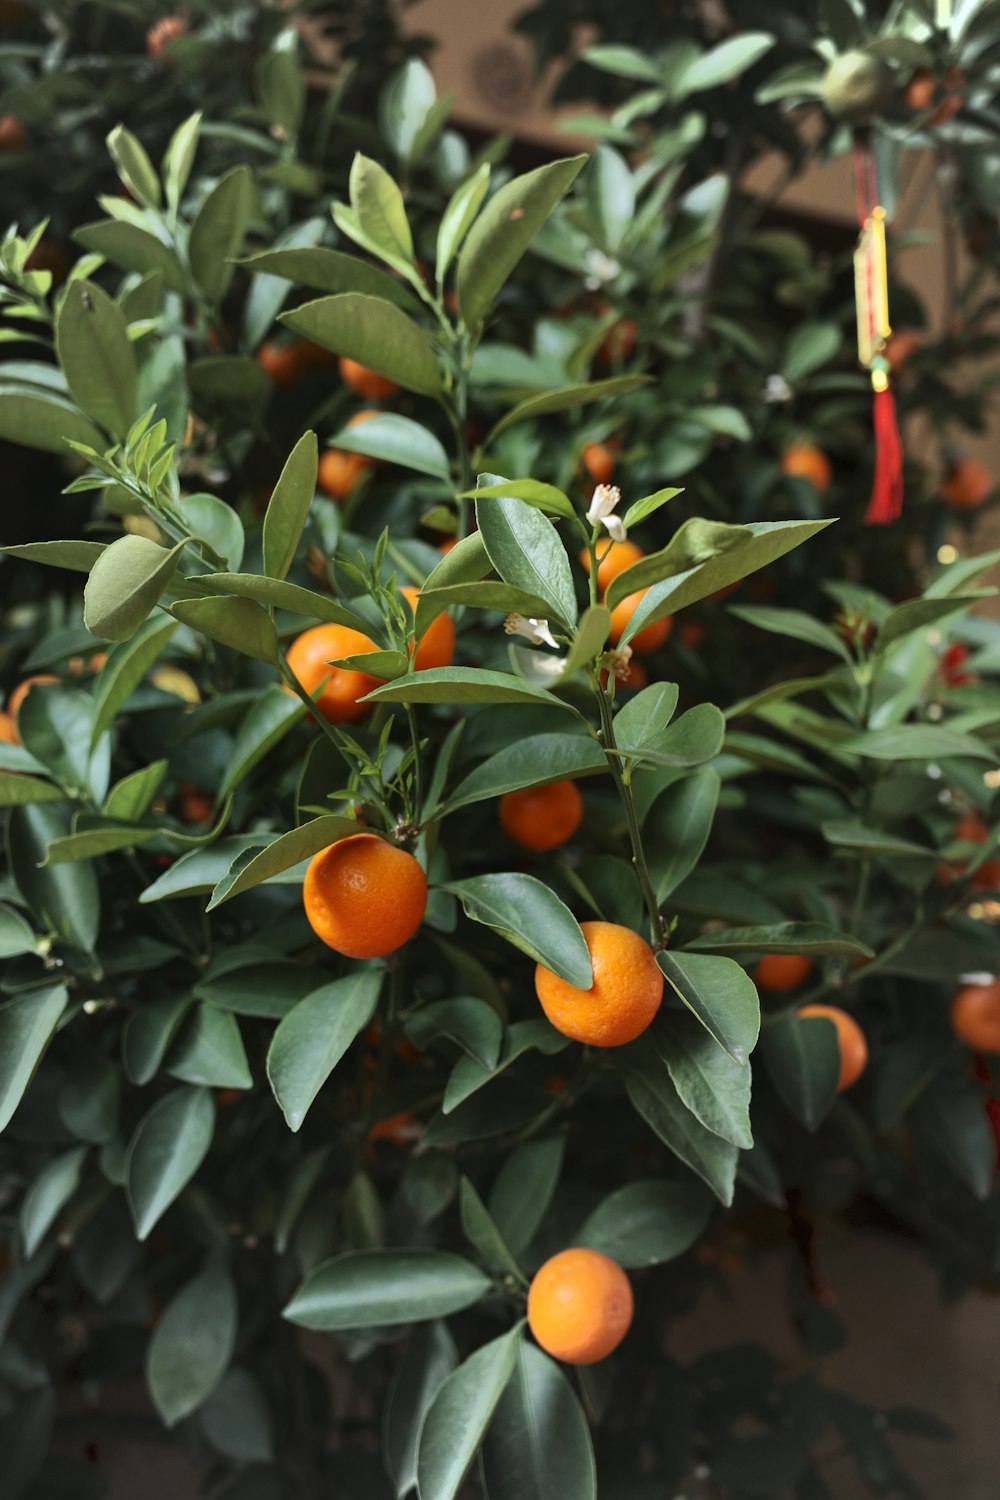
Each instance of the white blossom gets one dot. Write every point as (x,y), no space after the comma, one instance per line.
(776,388)
(535,631)
(599,268)
(603,504)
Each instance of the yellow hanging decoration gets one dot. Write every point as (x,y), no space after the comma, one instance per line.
(871,288)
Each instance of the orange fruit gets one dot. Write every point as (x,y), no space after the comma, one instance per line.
(399,1130)
(919,92)
(850,1040)
(618,342)
(339,470)
(364,897)
(196,807)
(542,817)
(283,362)
(613,560)
(806,461)
(599,461)
(966,484)
(13,136)
(165,32)
(650,637)
(778,972)
(975,1016)
(445,547)
(580,1306)
(309,658)
(80,664)
(8,730)
(950,105)
(22,690)
(623,998)
(365,382)
(437,644)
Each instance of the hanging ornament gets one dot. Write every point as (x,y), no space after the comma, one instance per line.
(871,291)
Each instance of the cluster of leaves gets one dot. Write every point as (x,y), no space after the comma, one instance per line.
(215,1130)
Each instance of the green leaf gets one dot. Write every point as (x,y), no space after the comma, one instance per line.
(237,623)
(810,346)
(803,1059)
(530,915)
(373,332)
(915,742)
(459,1416)
(535,761)
(640,509)
(428,1359)
(543,497)
(332,271)
(42,419)
(281,594)
(527,552)
(459,216)
(677,827)
(715,1088)
(199,870)
(178,159)
(723,62)
(218,229)
(464,563)
(461,685)
(260,986)
(641,724)
(129,798)
(16,935)
(695,541)
(720,994)
(192,1343)
(397,440)
(26,1028)
(610,194)
(18,790)
(592,632)
(55,722)
(377,1288)
(289,505)
(313,1037)
(470,1023)
(486,593)
(266,723)
(794,623)
(79,557)
(134,167)
(282,853)
(538,1445)
(623,62)
(696,737)
(503,232)
(168,1146)
(655,1098)
(48,1195)
(92,842)
(281,87)
(815,938)
(236,1418)
(149,1030)
(646,1223)
(89,1100)
(97,356)
(566,398)
(125,668)
(210,1051)
(64,900)
(228,377)
(469,1075)
(125,584)
(869,841)
(483,1235)
(524,1188)
(133,249)
(917,614)
(379,209)
(406,101)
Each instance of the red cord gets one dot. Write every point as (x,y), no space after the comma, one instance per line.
(886,503)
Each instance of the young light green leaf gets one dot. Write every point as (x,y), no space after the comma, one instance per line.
(379,209)
(78,556)
(238,623)
(178,159)
(129,798)
(125,584)
(218,229)
(134,167)
(459,216)
(543,497)
(373,332)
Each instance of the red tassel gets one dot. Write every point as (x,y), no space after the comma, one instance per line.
(886,503)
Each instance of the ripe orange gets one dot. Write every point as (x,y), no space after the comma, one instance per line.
(445,547)
(580,1306)
(850,1040)
(13,136)
(542,817)
(365,382)
(80,664)
(196,807)
(650,637)
(806,461)
(339,470)
(437,644)
(778,972)
(160,36)
(310,657)
(966,484)
(22,690)
(613,560)
(283,362)
(364,897)
(599,461)
(399,1130)
(623,999)
(975,1016)
(8,730)
(919,92)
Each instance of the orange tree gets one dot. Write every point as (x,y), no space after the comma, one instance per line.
(308,1024)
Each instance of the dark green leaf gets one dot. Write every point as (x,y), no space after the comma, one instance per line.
(483,1235)
(97,356)
(217,231)
(428,1359)
(720,994)
(16,935)
(80,556)
(283,595)
(646,1223)
(654,1097)
(210,1051)
(289,505)
(467,1021)
(125,584)
(237,623)
(333,271)
(129,798)
(375,1288)
(527,552)
(133,249)
(815,938)
(192,1343)
(397,440)
(266,723)
(18,790)
(530,915)
(236,1418)
(459,1416)
(803,1059)
(677,829)
(794,623)
(125,668)
(469,1074)
(715,1088)
(48,1195)
(373,332)
(461,685)
(26,1027)
(64,900)
(538,1445)
(149,1030)
(915,742)
(282,853)
(566,397)
(524,1188)
(169,1145)
(43,419)
(313,1037)
(535,761)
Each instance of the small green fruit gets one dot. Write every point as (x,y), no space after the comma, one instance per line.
(855,87)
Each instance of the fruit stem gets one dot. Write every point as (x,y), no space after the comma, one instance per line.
(657,927)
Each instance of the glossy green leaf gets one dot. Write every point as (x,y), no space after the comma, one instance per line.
(524,1188)
(810,346)
(376,1288)
(485,593)
(97,356)
(695,541)
(379,209)
(200,869)
(313,1037)
(16,935)
(48,1195)
(168,1146)
(538,1446)
(529,914)
(535,761)
(218,229)
(267,722)
(26,1027)
(459,1416)
(129,798)
(281,594)
(646,1223)
(696,737)
(677,827)
(282,853)
(397,440)
(427,1361)
(815,938)
(178,159)
(544,497)
(43,419)
(655,1098)
(459,216)
(289,505)
(149,1031)
(332,271)
(469,1075)
(210,1051)
(237,623)
(483,1235)
(236,1418)
(125,584)
(92,842)
(794,623)
(803,1058)
(502,233)
(641,724)
(375,333)
(918,614)
(65,899)
(873,841)
(567,397)
(215,523)
(640,509)
(715,1088)
(527,552)
(125,668)
(469,1022)
(720,994)
(461,685)
(192,1343)
(133,249)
